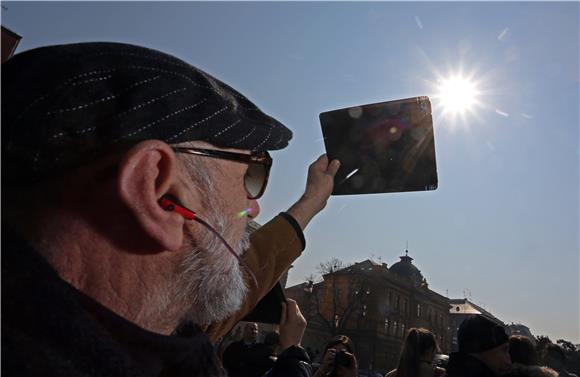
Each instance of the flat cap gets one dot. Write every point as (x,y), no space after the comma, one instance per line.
(64,105)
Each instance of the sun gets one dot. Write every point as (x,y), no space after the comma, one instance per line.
(457,94)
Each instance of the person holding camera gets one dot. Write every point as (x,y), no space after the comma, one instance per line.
(339,359)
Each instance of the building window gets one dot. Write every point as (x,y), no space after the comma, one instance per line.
(402,329)
(406,306)
(418,310)
(395,328)
(390,297)
(398,304)
(386,326)
(336,320)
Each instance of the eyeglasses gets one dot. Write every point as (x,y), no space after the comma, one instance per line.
(259,165)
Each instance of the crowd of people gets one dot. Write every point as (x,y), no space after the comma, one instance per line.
(485,350)
(124,171)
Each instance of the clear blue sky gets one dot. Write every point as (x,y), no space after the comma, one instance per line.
(504,221)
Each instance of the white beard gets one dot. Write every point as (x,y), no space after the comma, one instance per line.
(208,285)
(210,281)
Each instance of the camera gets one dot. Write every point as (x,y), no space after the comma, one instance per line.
(341,358)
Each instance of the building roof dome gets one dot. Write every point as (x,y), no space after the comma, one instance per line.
(406,269)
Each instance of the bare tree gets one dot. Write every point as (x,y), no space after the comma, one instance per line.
(330,266)
(346,299)
(312,278)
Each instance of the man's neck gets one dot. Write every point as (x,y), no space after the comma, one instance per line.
(124,282)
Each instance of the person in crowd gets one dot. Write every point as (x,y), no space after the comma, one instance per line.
(525,361)
(555,358)
(417,355)
(245,357)
(338,358)
(483,349)
(128,180)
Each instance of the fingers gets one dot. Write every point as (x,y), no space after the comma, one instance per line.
(321,161)
(292,325)
(333,167)
(330,353)
(353,364)
(294,310)
(321,164)
(328,360)
(351,358)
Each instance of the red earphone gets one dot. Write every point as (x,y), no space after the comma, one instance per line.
(172,204)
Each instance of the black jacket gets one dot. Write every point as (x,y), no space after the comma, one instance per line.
(463,365)
(51,329)
(293,362)
(247,360)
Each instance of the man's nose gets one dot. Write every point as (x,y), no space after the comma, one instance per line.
(254,209)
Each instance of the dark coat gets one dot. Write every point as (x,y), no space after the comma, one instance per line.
(51,329)
(463,365)
(247,360)
(293,362)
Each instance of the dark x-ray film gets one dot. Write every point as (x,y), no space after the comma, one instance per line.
(383,147)
(269,308)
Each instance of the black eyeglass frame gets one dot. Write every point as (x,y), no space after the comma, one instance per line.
(260,158)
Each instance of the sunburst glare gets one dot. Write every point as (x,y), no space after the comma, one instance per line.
(458,97)
(457,94)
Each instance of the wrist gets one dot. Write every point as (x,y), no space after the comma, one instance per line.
(304,210)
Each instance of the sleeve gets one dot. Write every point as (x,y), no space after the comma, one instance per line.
(273,248)
(293,362)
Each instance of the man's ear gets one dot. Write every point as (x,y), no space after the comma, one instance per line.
(148,171)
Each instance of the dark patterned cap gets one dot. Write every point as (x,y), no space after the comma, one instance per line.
(478,333)
(64,105)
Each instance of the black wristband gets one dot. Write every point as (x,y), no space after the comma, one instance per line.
(296,227)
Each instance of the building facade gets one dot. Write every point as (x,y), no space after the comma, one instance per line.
(375,306)
(461,309)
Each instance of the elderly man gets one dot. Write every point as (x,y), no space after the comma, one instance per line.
(126,176)
(483,350)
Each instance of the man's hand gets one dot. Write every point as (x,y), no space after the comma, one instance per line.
(327,365)
(292,325)
(319,185)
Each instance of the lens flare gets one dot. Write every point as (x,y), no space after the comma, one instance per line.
(245,213)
